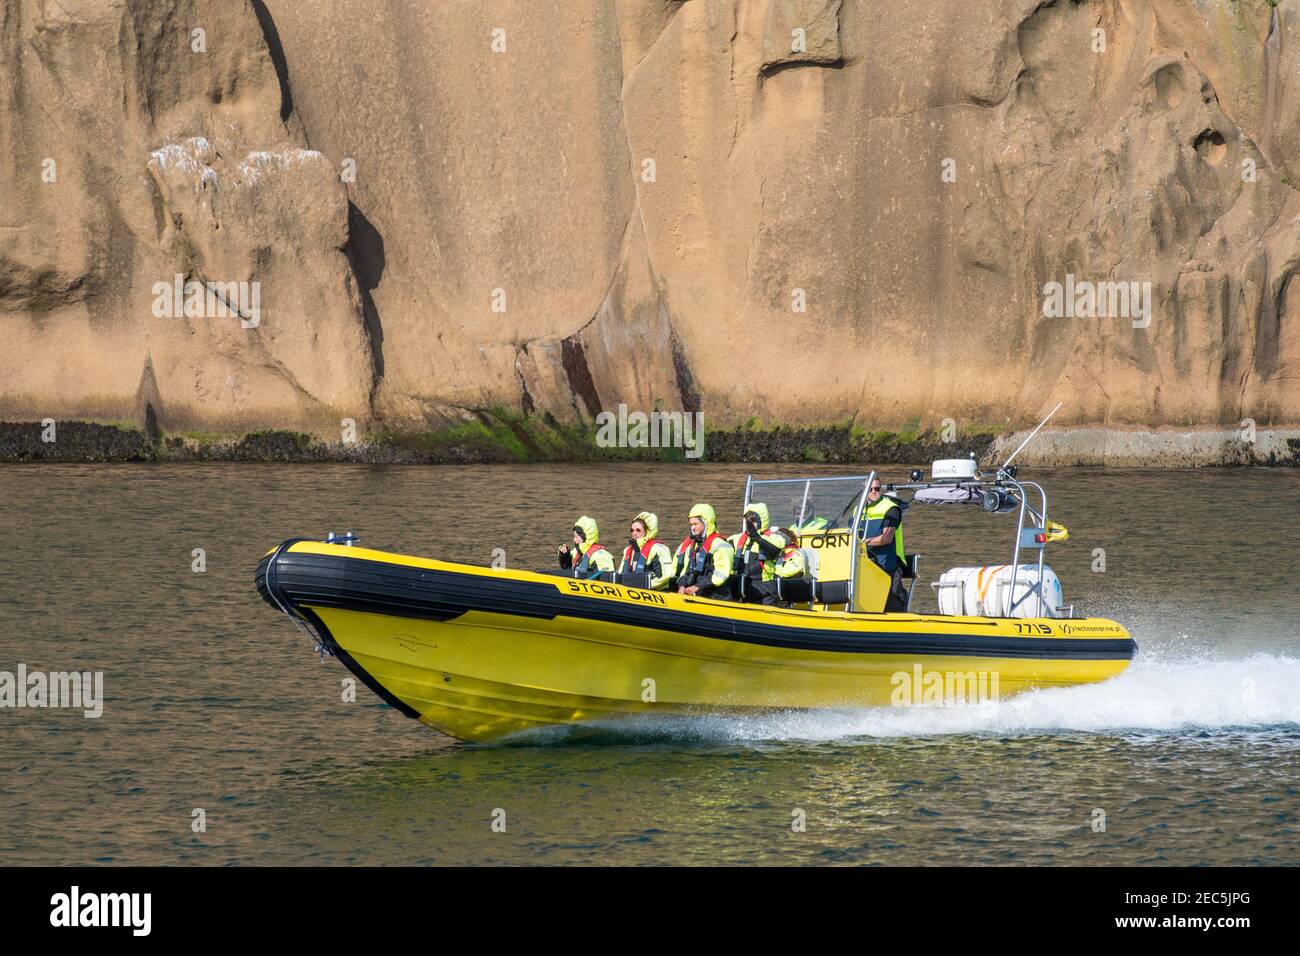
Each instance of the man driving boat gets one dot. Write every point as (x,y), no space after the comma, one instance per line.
(883,536)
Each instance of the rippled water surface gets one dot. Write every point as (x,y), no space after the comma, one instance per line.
(215,701)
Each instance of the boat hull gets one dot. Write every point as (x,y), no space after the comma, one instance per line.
(480,654)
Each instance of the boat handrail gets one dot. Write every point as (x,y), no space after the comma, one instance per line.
(853,541)
(785,481)
(1006,478)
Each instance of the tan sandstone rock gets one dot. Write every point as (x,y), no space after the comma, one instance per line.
(560,207)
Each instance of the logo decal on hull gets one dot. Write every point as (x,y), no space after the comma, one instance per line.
(600,589)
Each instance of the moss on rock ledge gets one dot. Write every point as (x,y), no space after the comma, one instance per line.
(840,445)
(499,437)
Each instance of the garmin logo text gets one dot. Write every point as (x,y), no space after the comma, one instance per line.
(73,689)
(656,430)
(1098,300)
(103,909)
(209,300)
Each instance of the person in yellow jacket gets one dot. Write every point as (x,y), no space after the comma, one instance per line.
(757,551)
(704,558)
(792,563)
(645,553)
(806,519)
(588,557)
(788,562)
(882,532)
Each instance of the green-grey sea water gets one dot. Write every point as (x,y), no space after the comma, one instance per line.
(215,702)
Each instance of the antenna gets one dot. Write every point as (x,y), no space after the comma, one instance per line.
(1031,435)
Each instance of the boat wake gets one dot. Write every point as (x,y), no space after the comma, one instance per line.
(1150,697)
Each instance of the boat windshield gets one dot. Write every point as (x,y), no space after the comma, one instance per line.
(811,503)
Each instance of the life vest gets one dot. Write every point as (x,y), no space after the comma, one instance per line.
(791,564)
(743,557)
(638,561)
(698,557)
(884,555)
(744,540)
(583,567)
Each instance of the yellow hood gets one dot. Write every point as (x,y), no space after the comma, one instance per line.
(759,509)
(590,530)
(651,521)
(706,514)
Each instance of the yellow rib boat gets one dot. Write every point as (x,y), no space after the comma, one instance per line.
(482,653)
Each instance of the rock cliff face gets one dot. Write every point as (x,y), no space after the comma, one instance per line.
(800,211)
